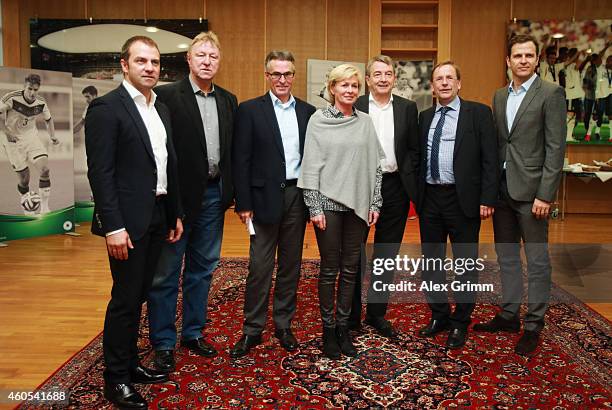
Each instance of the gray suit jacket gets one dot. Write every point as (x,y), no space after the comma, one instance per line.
(535,146)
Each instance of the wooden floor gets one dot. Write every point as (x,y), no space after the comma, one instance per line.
(55,290)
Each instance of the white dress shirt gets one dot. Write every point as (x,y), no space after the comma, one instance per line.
(157,134)
(385,129)
(290,134)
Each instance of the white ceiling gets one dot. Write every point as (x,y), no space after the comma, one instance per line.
(108,38)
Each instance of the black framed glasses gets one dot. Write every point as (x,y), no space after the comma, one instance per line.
(276,75)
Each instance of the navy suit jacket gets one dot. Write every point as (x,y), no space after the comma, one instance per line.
(258,159)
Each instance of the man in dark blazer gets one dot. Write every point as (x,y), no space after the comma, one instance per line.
(202,115)
(395,119)
(458,187)
(267,154)
(531,127)
(133,177)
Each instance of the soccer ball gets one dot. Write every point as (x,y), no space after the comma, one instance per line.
(30,202)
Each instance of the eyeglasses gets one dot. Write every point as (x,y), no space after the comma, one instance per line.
(276,75)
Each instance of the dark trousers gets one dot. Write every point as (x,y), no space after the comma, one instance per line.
(575,106)
(131,282)
(389,233)
(340,249)
(440,219)
(599,106)
(513,222)
(284,239)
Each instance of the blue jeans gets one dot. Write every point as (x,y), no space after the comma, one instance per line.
(201,245)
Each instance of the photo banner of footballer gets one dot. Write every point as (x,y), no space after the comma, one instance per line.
(36,156)
(577,55)
(84,90)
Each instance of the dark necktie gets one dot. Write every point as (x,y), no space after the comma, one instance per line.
(435,145)
(551,68)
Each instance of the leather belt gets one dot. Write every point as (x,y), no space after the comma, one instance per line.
(442,186)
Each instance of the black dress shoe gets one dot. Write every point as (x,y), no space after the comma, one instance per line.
(286,339)
(383,326)
(528,343)
(244,345)
(456,338)
(164,361)
(124,396)
(434,327)
(200,347)
(499,324)
(144,375)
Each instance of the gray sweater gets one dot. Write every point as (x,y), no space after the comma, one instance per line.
(341,157)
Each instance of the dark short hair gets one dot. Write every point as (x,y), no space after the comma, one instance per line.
(447,62)
(125,50)
(281,55)
(90,89)
(520,39)
(33,79)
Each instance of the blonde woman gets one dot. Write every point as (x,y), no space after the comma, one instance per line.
(341,178)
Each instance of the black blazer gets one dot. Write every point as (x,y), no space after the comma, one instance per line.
(406,134)
(474,159)
(121,166)
(259,159)
(190,143)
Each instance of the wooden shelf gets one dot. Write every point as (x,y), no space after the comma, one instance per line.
(408,50)
(410,27)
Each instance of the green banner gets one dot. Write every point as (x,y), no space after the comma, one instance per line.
(20,226)
(83,211)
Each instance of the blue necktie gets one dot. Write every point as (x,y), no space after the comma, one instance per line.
(434,165)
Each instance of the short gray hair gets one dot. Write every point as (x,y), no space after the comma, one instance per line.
(281,55)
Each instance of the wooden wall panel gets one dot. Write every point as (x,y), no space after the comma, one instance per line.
(543,9)
(477,46)
(445,10)
(301,31)
(375,24)
(347,30)
(177,9)
(27,10)
(57,9)
(593,9)
(240,26)
(116,9)
(11,33)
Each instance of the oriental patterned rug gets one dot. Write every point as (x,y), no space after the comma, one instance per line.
(573,367)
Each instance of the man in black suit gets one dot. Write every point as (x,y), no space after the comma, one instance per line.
(202,115)
(457,188)
(267,155)
(133,177)
(395,120)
